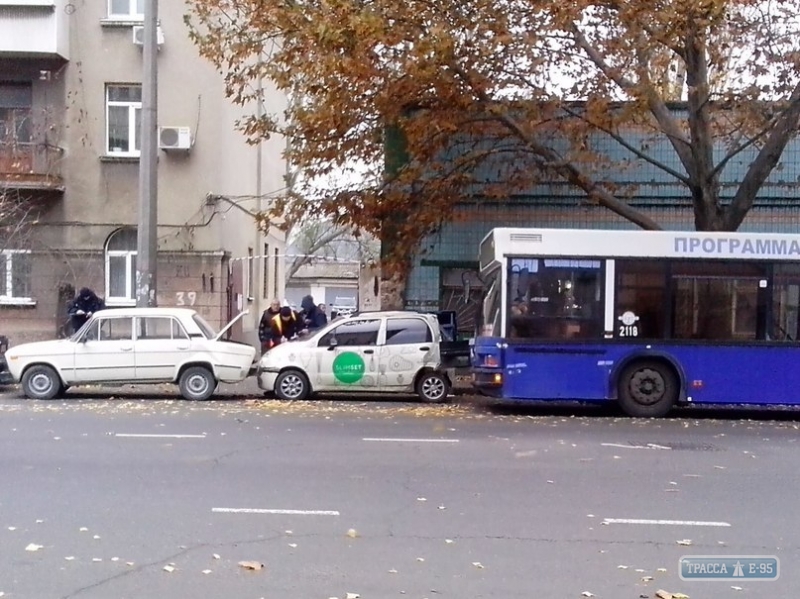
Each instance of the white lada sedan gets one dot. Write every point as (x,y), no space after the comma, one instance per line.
(134,345)
(383,352)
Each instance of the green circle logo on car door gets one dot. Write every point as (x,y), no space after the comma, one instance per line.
(348,367)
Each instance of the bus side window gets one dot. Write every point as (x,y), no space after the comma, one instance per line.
(640,310)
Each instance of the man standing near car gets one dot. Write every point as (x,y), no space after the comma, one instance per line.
(265,326)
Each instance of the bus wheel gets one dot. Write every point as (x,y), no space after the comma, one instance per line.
(647,389)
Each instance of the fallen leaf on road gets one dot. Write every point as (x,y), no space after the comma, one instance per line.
(33,547)
(169,569)
(250,565)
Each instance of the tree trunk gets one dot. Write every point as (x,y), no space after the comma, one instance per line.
(393,290)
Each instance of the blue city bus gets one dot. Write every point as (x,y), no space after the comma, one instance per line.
(650,320)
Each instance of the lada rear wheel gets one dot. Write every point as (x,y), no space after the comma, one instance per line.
(41,382)
(433,387)
(197,383)
(648,389)
(292,385)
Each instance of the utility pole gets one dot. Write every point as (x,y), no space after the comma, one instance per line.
(147,240)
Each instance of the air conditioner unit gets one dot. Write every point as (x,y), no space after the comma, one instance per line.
(138,36)
(175,138)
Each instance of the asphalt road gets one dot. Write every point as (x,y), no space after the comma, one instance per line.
(385,499)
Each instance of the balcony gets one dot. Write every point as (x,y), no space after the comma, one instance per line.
(30,166)
(34,29)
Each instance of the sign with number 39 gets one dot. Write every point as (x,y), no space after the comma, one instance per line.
(184,298)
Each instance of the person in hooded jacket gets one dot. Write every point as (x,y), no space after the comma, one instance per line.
(311,316)
(83,306)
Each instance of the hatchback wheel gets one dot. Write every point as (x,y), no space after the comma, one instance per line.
(433,387)
(292,385)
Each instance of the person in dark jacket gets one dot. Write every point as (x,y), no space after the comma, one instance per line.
(323,311)
(83,306)
(312,318)
(284,326)
(265,326)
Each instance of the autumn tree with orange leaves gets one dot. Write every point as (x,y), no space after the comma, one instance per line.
(443,76)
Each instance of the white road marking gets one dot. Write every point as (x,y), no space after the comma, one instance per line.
(665,522)
(624,446)
(396,440)
(245,510)
(156,436)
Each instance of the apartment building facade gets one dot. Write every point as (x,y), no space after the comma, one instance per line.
(70,109)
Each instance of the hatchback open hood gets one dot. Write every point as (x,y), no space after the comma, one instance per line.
(230,324)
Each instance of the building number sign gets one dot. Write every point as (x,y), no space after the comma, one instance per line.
(183,298)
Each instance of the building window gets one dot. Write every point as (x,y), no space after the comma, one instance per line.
(275,273)
(251,275)
(126,9)
(121,268)
(265,274)
(123,119)
(15,276)
(16,101)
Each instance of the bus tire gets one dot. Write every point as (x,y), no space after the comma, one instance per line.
(648,389)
